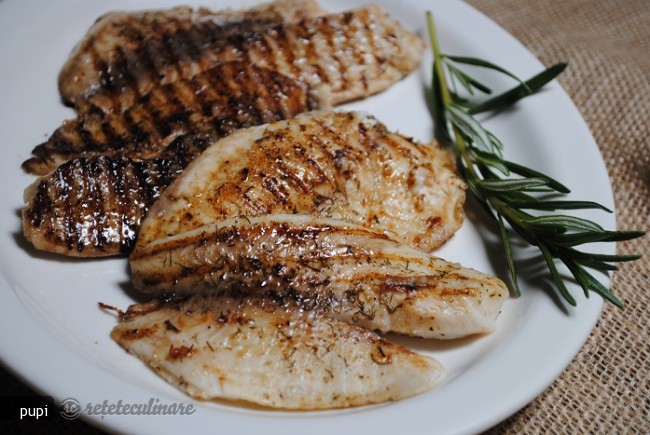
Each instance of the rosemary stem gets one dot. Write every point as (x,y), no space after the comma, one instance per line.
(506,198)
(437,61)
(444,91)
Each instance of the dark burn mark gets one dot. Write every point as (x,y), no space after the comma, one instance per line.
(138,333)
(254,263)
(180,352)
(408,284)
(170,326)
(379,355)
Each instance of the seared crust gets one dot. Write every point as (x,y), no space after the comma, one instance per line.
(342,165)
(356,53)
(90,207)
(327,266)
(128,53)
(229,96)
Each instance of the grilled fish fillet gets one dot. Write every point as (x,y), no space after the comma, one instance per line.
(229,96)
(342,165)
(252,350)
(128,53)
(328,266)
(92,207)
(356,53)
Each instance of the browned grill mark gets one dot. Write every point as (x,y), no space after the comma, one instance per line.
(228,97)
(330,43)
(86,137)
(135,130)
(273,187)
(189,101)
(112,138)
(311,54)
(125,78)
(357,52)
(166,57)
(154,56)
(281,273)
(248,232)
(288,174)
(174,41)
(334,51)
(88,204)
(288,55)
(203,94)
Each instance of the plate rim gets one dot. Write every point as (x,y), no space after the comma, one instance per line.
(31,372)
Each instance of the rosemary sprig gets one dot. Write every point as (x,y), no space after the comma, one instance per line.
(510,192)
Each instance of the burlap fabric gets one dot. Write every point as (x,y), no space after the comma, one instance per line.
(606,388)
(607,43)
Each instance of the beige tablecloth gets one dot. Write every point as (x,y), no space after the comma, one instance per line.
(607,43)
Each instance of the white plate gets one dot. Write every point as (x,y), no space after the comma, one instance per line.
(53,335)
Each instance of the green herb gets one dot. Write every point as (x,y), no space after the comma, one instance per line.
(510,192)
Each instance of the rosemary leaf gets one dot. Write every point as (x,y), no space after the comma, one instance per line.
(515,94)
(602,262)
(511,184)
(468,83)
(581,238)
(528,172)
(485,64)
(505,189)
(603,257)
(588,282)
(559,281)
(509,256)
(550,205)
(567,222)
(469,126)
(490,159)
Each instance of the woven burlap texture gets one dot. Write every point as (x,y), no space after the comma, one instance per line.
(605,389)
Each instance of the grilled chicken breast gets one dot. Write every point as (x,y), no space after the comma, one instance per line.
(344,271)
(342,165)
(229,96)
(252,350)
(125,54)
(355,53)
